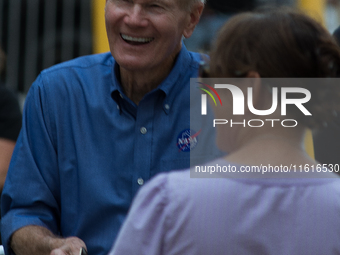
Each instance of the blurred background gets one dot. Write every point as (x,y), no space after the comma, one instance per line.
(36,34)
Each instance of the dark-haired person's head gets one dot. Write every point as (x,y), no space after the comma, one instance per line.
(280,43)
(275,43)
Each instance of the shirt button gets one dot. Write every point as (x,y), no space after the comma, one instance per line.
(118,107)
(120,95)
(140,181)
(167,107)
(143,130)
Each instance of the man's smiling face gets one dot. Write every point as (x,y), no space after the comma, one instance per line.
(144,34)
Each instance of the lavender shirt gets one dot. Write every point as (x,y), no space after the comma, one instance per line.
(176,214)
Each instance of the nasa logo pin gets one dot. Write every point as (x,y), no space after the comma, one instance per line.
(187,140)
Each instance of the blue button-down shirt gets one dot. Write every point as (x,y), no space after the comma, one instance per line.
(85,148)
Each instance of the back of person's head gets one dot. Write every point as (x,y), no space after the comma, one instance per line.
(281,43)
(276,43)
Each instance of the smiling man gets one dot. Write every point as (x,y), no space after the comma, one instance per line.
(145,39)
(97,128)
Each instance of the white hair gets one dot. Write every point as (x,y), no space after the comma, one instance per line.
(202,1)
(189,3)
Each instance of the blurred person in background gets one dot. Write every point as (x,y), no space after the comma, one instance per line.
(216,13)
(336,35)
(249,213)
(10,123)
(97,128)
(214,16)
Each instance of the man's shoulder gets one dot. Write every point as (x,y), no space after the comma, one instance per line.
(198,57)
(83,62)
(75,75)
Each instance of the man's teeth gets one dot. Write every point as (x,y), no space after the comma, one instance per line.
(137,39)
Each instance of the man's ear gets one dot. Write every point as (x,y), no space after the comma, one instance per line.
(195,14)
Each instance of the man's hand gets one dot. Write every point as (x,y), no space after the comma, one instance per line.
(40,241)
(72,246)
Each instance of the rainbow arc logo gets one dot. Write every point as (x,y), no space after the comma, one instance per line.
(204,97)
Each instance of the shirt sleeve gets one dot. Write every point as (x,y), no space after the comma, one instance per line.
(146,223)
(30,195)
(10,115)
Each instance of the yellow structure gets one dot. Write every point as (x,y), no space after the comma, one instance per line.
(314,8)
(100,42)
(309,144)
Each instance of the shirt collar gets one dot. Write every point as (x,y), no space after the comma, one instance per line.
(167,86)
(182,63)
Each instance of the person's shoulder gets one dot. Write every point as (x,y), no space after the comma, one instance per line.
(326,196)
(198,57)
(158,182)
(163,182)
(180,183)
(73,76)
(85,66)
(332,185)
(83,62)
